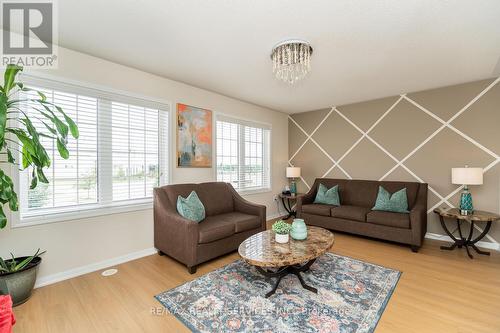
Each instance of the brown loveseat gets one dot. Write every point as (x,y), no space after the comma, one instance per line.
(354,215)
(230,219)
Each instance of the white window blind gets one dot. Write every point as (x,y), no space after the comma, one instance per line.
(120,156)
(243,154)
(72,181)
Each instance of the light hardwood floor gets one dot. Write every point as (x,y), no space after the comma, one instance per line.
(439,291)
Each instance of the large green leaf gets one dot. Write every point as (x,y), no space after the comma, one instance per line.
(63,151)
(61,127)
(3,117)
(10,77)
(34,179)
(27,261)
(13,202)
(10,158)
(41,153)
(26,160)
(3,265)
(50,128)
(41,175)
(25,89)
(3,218)
(25,140)
(72,126)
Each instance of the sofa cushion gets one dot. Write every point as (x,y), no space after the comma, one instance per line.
(216,197)
(327,196)
(191,207)
(396,202)
(390,219)
(355,213)
(242,222)
(317,209)
(214,228)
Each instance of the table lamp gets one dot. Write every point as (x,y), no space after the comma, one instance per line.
(293,172)
(466,176)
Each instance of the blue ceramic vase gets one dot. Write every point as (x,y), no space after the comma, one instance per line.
(299,229)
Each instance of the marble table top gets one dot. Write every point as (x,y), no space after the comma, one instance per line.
(478,215)
(262,250)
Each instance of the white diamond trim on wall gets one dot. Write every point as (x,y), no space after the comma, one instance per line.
(400,163)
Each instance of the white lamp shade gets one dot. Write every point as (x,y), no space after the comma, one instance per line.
(467,176)
(292,172)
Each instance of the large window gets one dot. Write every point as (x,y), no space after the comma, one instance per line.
(120,156)
(243,157)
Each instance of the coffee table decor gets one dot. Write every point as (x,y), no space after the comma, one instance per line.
(275,260)
(352,296)
(281,231)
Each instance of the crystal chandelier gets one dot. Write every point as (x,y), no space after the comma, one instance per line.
(291,60)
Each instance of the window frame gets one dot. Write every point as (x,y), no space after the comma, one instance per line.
(267,149)
(76,212)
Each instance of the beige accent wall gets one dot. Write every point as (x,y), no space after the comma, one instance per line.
(79,243)
(368,140)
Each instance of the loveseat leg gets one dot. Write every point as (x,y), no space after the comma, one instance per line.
(160,253)
(192,269)
(414,248)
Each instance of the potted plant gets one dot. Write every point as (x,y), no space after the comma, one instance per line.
(281,230)
(18,276)
(20,145)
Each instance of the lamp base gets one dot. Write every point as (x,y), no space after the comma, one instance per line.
(466,212)
(293,187)
(466,207)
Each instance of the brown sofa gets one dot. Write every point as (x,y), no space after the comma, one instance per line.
(230,219)
(354,215)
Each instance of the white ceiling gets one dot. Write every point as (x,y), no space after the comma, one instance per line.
(363,49)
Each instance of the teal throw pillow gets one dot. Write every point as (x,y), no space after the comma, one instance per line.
(191,207)
(397,202)
(327,196)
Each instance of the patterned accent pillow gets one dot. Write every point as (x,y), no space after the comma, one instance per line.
(397,202)
(191,207)
(327,196)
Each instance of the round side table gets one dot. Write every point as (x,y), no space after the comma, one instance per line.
(466,241)
(288,204)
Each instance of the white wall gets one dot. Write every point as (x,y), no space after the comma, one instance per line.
(77,243)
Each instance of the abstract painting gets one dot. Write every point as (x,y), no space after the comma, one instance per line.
(194,137)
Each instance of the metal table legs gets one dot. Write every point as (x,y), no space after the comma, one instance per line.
(465,241)
(288,208)
(284,271)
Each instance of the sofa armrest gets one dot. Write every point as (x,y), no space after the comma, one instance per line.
(305,199)
(173,234)
(418,216)
(244,206)
(418,225)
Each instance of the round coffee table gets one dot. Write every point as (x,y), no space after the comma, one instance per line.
(273,259)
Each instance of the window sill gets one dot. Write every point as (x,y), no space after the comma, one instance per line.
(256,191)
(88,212)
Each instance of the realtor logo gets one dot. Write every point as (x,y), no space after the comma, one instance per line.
(28,36)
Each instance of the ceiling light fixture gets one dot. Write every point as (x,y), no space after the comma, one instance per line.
(291,60)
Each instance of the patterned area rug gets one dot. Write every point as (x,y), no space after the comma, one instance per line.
(351,297)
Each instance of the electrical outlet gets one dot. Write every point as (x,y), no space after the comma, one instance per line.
(275,198)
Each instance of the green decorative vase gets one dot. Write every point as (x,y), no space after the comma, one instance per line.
(299,229)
